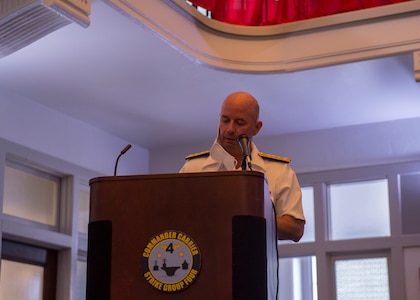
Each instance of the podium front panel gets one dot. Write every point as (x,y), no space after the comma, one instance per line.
(222,212)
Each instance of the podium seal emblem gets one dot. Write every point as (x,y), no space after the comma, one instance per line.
(171,261)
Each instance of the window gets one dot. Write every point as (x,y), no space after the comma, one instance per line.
(308,209)
(363,278)
(31,194)
(410,203)
(45,203)
(83,218)
(27,272)
(412,271)
(359,209)
(297,278)
(80,293)
(21,281)
(365,240)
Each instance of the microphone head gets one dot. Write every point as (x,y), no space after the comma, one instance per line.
(126,149)
(243,136)
(243,141)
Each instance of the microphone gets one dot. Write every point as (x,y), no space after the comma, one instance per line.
(126,148)
(243,141)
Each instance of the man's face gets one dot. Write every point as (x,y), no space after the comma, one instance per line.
(237,118)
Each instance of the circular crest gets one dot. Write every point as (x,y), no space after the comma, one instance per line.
(171,261)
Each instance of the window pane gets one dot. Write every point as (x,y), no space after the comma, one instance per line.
(359,209)
(308,209)
(81,280)
(297,278)
(410,203)
(20,281)
(358,279)
(83,218)
(30,196)
(411,272)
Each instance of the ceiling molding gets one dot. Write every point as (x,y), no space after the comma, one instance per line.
(289,51)
(294,50)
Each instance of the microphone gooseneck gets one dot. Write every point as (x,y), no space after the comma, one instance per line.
(123,151)
(243,141)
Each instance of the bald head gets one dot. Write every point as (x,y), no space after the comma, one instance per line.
(243,101)
(239,115)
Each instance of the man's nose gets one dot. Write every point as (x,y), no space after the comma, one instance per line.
(231,127)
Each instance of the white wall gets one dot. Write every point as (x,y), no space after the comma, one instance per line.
(37,127)
(29,124)
(363,145)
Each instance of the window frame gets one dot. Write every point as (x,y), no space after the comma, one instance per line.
(70,246)
(33,255)
(324,249)
(42,173)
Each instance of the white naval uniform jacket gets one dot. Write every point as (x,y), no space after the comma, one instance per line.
(283,184)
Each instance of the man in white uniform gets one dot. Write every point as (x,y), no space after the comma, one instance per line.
(240,115)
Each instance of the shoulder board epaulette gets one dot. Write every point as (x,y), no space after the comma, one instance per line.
(275,157)
(199,154)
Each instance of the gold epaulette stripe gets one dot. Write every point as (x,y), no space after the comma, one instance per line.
(275,157)
(199,154)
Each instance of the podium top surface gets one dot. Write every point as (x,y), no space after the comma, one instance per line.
(176,175)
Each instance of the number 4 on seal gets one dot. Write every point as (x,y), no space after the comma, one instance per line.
(171,247)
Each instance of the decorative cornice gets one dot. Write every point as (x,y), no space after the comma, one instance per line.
(347,37)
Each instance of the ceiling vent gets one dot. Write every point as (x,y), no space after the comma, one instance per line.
(22,22)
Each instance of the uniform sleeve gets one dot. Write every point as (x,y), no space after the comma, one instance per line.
(288,195)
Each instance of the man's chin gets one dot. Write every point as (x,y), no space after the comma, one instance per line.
(232,148)
(230,143)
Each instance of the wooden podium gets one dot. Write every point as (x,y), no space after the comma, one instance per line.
(192,236)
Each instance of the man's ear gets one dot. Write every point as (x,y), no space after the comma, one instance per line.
(258,126)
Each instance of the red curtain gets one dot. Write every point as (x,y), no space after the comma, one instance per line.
(271,12)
